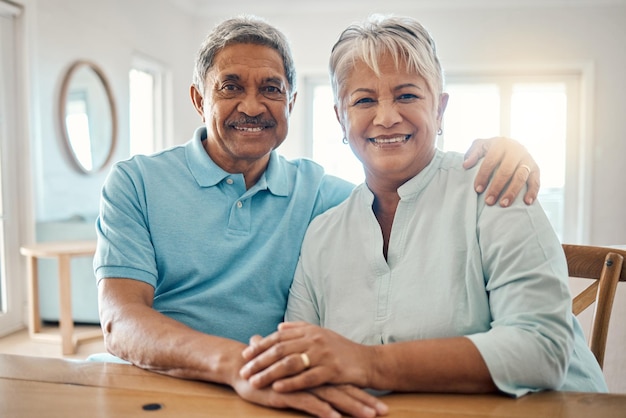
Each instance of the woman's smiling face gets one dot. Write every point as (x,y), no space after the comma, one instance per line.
(390,119)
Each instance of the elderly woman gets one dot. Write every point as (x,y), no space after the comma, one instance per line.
(413,283)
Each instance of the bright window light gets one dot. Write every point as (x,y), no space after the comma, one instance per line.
(142,105)
(328,148)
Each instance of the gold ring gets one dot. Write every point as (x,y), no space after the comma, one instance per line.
(526,167)
(305,360)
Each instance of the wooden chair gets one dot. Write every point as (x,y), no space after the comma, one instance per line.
(605,266)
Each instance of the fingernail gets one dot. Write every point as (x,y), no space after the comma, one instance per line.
(369,411)
(479,189)
(504,203)
(529,201)
(490,200)
(382,408)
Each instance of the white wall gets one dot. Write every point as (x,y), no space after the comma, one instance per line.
(109,32)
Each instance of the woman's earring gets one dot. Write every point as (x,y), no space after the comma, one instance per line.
(440,131)
(344,140)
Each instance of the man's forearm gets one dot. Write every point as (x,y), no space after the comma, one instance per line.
(139,334)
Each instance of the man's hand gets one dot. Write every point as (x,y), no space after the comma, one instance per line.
(510,165)
(323,401)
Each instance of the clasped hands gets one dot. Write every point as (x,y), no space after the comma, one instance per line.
(300,356)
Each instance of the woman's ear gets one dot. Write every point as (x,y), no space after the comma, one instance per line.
(340,120)
(443,102)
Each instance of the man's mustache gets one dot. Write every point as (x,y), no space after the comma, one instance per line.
(248,120)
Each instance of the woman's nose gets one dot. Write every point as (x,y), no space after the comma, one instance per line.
(386,114)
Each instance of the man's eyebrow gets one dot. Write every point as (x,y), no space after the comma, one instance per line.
(274,80)
(236,77)
(230,77)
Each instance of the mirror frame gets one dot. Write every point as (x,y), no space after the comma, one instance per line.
(67,78)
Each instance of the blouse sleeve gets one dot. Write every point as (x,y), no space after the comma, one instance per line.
(301,306)
(531,338)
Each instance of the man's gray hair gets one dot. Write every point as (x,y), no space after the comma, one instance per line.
(245,29)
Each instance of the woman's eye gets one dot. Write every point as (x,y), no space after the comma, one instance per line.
(364,100)
(407,96)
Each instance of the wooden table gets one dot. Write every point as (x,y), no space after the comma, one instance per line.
(63,251)
(38,387)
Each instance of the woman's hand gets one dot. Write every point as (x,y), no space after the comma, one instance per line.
(511,166)
(300,356)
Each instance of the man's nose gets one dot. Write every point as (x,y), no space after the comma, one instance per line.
(251,104)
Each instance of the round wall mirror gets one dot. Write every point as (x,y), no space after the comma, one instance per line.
(88,119)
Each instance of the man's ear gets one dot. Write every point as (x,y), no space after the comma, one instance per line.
(292,102)
(197,100)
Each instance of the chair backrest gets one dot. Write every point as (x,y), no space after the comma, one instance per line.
(605,266)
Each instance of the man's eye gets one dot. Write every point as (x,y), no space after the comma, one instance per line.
(229,90)
(272,92)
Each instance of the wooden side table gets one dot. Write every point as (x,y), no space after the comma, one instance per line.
(63,251)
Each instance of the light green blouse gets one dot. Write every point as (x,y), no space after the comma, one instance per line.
(455,267)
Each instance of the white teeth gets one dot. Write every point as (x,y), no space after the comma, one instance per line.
(249,129)
(389,140)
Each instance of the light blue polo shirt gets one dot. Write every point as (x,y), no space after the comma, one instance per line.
(220,258)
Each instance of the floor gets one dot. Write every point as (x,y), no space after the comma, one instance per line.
(20,343)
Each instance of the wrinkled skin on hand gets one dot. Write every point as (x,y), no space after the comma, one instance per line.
(276,359)
(509,167)
(323,401)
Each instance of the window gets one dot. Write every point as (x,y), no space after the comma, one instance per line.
(535,110)
(147,119)
(542,112)
(11,193)
(328,148)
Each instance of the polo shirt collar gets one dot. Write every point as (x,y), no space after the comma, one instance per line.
(208,174)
